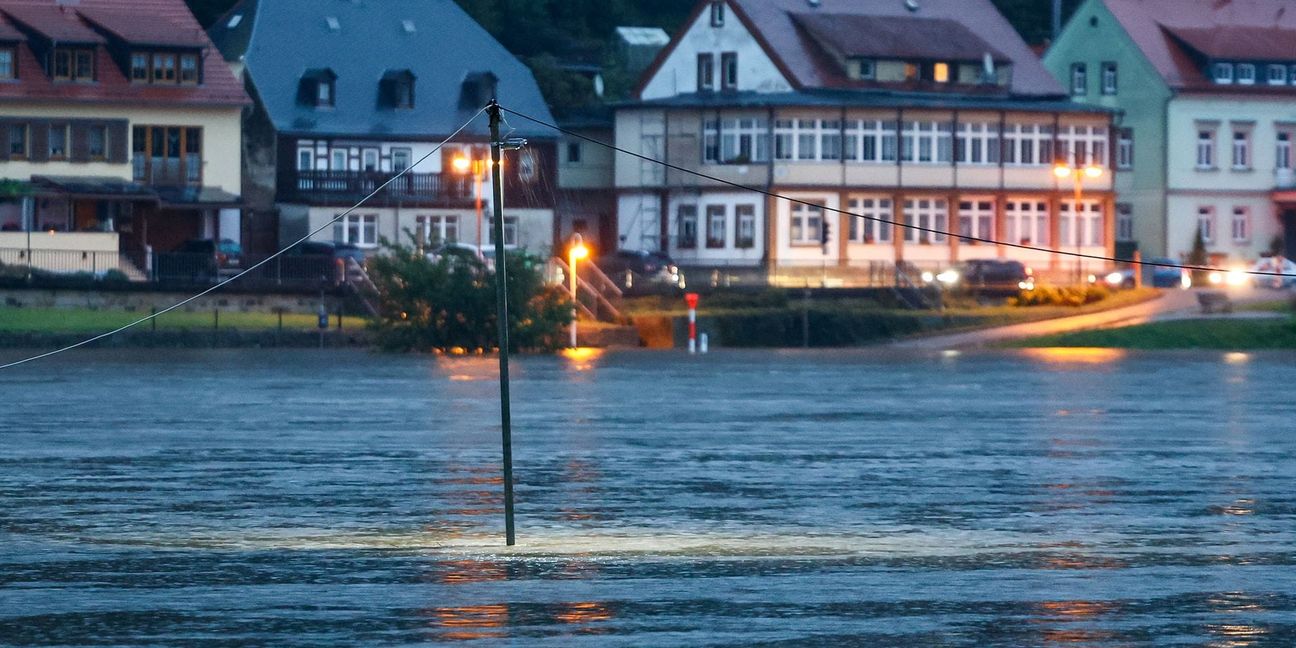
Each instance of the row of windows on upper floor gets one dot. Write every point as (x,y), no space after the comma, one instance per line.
(81,65)
(1241,148)
(1239,225)
(1275,74)
(744,141)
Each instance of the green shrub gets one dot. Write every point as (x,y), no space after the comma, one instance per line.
(425,305)
(1074,296)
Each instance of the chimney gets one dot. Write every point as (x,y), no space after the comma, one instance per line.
(1057,18)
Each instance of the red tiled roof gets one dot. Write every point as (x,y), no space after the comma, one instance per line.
(1165,30)
(219,87)
(59,24)
(773,22)
(158,31)
(897,37)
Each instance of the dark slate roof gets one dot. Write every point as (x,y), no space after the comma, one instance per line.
(897,37)
(867,99)
(775,25)
(279,40)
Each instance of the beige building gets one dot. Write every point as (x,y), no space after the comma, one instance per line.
(945,122)
(118,135)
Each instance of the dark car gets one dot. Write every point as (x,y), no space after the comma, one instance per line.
(312,259)
(1168,274)
(201,260)
(641,270)
(989,277)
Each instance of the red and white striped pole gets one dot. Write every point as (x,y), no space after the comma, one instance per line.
(692,300)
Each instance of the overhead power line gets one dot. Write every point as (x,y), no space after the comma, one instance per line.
(264,261)
(877,219)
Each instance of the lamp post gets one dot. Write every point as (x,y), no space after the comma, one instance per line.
(1078,176)
(477,167)
(577,252)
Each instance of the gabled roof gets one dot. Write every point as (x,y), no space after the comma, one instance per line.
(774,25)
(896,37)
(160,32)
(1169,31)
(68,24)
(280,40)
(9,33)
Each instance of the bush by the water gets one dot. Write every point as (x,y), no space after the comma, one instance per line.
(425,305)
(1061,296)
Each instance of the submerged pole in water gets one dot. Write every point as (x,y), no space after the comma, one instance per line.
(501,298)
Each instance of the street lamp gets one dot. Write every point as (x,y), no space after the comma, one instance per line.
(577,252)
(477,167)
(1078,176)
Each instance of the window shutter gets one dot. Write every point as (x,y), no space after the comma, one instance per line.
(118,141)
(4,138)
(79,147)
(39,134)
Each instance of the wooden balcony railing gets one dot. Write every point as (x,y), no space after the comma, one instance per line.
(354,185)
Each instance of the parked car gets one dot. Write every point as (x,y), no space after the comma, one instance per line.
(1274,264)
(324,258)
(1166,273)
(641,271)
(201,260)
(989,277)
(465,253)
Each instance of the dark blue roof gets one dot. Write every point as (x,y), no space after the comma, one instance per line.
(361,41)
(868,99)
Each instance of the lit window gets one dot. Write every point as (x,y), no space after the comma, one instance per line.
(941,73)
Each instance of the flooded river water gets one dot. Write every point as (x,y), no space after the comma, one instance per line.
(847,498)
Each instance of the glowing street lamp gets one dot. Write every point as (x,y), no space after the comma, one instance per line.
(577,252)
(477,167)
(1078,176)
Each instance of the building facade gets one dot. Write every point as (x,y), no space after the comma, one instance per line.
(120,126)
(1204,139)
(782,119)
(354,98)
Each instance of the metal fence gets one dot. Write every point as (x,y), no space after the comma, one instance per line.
(174,269)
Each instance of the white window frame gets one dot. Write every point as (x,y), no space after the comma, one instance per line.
(729,70)
(864,139)
(686,226)
(1206,223)
(1277,74)
(438,228)
(333,159)
(867,69)
(1125,149)
(978,143)
(511,231)
(830,139)
(1222,73)
(1205,148)
(1084,229)
(1109,78)
(718,13)
(360,230)
(305,159)
(1246,74)
(1026,222)
(1084,145)
(1241,149)
(1028,145)
(1283,149)
(1241,224)
(706,72)
(805,224)
(723,141)
(1079,79)
(976,219)
(745,234)
(869,230)
(927,142)
(929,213)
(717,226)
(1124,222)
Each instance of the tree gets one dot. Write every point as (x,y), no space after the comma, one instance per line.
(1198,258)
(425,305)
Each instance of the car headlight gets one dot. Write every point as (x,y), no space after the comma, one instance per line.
(928,277)
(1215,278)
(949,277)
(1115,279)
(1029,284)
(1236,277)
(1185,280)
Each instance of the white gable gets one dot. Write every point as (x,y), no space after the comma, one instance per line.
(678,73)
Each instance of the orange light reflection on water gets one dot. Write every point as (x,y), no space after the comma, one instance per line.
(582,358)
(1075,355)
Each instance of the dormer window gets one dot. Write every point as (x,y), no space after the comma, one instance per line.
(8,65)
(318,88)
(164,68)
(941,73)
(73,64)
(396,90)
(1223,73)
(1246,74)
(188,69)
(717,14)
(865,69)
(1277,75)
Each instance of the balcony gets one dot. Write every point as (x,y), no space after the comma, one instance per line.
(327,187)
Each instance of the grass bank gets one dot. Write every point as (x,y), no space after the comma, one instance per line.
(1212,334)
(59,320)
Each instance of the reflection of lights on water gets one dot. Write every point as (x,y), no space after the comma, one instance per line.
(472,621)
(1239,507)
(1237,358)
(1075,355)
(1076,610)
(583,612)
(468,368)
(950,354)
(459,572)
(582,358)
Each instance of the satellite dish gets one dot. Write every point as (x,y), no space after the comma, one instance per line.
(911,5)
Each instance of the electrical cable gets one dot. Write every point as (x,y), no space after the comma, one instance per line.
(236,277)
(917,228)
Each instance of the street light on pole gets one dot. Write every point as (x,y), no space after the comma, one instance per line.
(577,252)
(1078,176)
(477,167)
